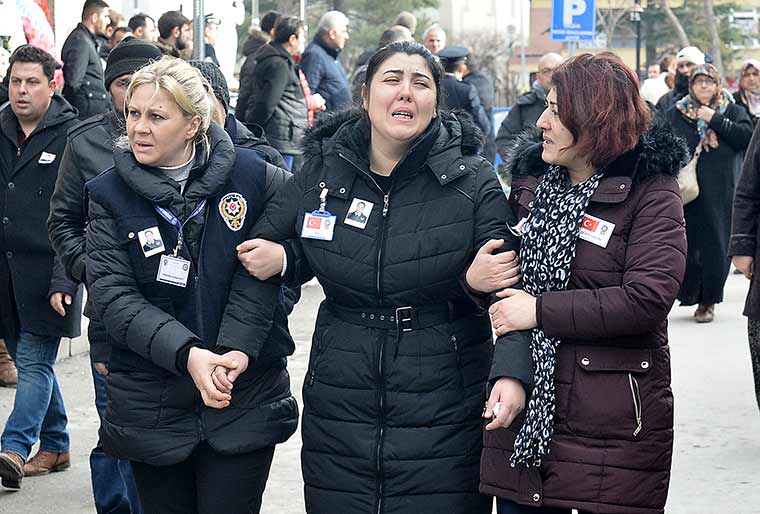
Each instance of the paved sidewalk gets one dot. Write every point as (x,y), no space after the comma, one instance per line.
(717,446)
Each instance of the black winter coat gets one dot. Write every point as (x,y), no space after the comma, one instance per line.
(522,116)
(279,104)
(29,271)
(247,78)
(391,418)
(253,137)
(483,84)
(155,414)
(84,84)
(708,218)
(462,96)
(745,227)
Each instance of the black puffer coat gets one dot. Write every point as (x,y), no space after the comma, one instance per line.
(392,420)
(155,414)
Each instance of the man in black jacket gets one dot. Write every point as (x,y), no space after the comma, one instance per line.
(324,71)
(89,151)
(82,70)
(253,44)
(38,303)
(279,104)
(528,106)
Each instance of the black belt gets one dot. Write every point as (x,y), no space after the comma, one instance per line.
(403,319)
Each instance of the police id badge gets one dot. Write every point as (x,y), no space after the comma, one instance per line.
(173,270)
(318,225)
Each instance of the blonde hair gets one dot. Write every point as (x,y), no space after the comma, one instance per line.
(187,87)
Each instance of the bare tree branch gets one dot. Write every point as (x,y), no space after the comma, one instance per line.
(712,29)
(683,39)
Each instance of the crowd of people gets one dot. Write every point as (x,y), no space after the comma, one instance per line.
(471,344)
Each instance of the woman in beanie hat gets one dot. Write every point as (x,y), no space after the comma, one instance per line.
(707,119)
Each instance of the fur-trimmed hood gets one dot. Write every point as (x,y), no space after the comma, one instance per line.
(352,128)
(659,152)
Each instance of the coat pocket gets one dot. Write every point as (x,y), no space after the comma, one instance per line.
(608,392)
(135,399)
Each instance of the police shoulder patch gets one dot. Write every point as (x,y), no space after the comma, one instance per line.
(233,208)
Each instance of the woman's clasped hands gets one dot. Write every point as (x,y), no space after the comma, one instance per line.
(214,375)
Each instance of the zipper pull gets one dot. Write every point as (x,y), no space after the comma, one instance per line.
(638,428)
(385,204)
(18,152)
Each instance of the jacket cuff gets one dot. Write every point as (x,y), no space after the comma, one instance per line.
(742,245)
(482,301)
(60,284)
(100,351)
(539,304)
(512,358)
(184,354)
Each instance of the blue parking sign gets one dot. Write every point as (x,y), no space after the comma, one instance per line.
(573,20)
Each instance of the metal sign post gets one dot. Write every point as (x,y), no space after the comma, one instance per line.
(199,25)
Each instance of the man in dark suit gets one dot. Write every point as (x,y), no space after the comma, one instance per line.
(483,84)
(458,94)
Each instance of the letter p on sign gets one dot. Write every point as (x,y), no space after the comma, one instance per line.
(571,9)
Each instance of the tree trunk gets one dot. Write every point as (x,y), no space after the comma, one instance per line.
(683,39)
(712,29)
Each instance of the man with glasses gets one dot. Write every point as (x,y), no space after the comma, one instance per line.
(528,106)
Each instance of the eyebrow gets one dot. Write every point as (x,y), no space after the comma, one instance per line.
(415,73)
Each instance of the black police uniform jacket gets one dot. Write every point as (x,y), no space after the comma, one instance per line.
(29,271)
(155,414)
(392,420)
(462,96)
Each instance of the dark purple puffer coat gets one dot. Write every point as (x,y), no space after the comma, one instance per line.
(613,436)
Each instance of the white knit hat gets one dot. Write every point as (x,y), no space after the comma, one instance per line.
(691,54)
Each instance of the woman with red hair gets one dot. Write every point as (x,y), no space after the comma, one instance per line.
(603,252)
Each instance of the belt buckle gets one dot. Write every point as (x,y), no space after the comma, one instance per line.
(404,323)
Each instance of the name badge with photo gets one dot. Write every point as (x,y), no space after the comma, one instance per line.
(318,225)
(596,230)
(173,270)
(358,213)
(150,241)
(46,158)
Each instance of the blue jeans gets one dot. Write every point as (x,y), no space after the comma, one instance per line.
(509,507)
(113,486)
(38,410)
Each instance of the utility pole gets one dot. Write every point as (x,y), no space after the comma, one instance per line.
(199,25)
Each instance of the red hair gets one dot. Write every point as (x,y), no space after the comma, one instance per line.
(598,101)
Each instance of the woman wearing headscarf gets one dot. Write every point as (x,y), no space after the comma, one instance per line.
(602,253)
(707,118)
(748,95)
(194,406)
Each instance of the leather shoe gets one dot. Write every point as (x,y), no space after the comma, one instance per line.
(705,313)
(11,470)
(45,462)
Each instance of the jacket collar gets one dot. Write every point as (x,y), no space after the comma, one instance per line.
(658,152)
(208,175)
(59,112)
(87,31)
(274,49)
(332,52)
(441,148)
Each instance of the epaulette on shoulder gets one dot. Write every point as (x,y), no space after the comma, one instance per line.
(84,125)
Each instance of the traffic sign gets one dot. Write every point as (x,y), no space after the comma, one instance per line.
(573,20)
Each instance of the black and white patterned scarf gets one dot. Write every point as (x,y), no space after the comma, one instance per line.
(547,250)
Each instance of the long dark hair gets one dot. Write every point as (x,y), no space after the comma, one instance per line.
(409,48)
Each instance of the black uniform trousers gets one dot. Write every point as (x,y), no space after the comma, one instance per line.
(206,483)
